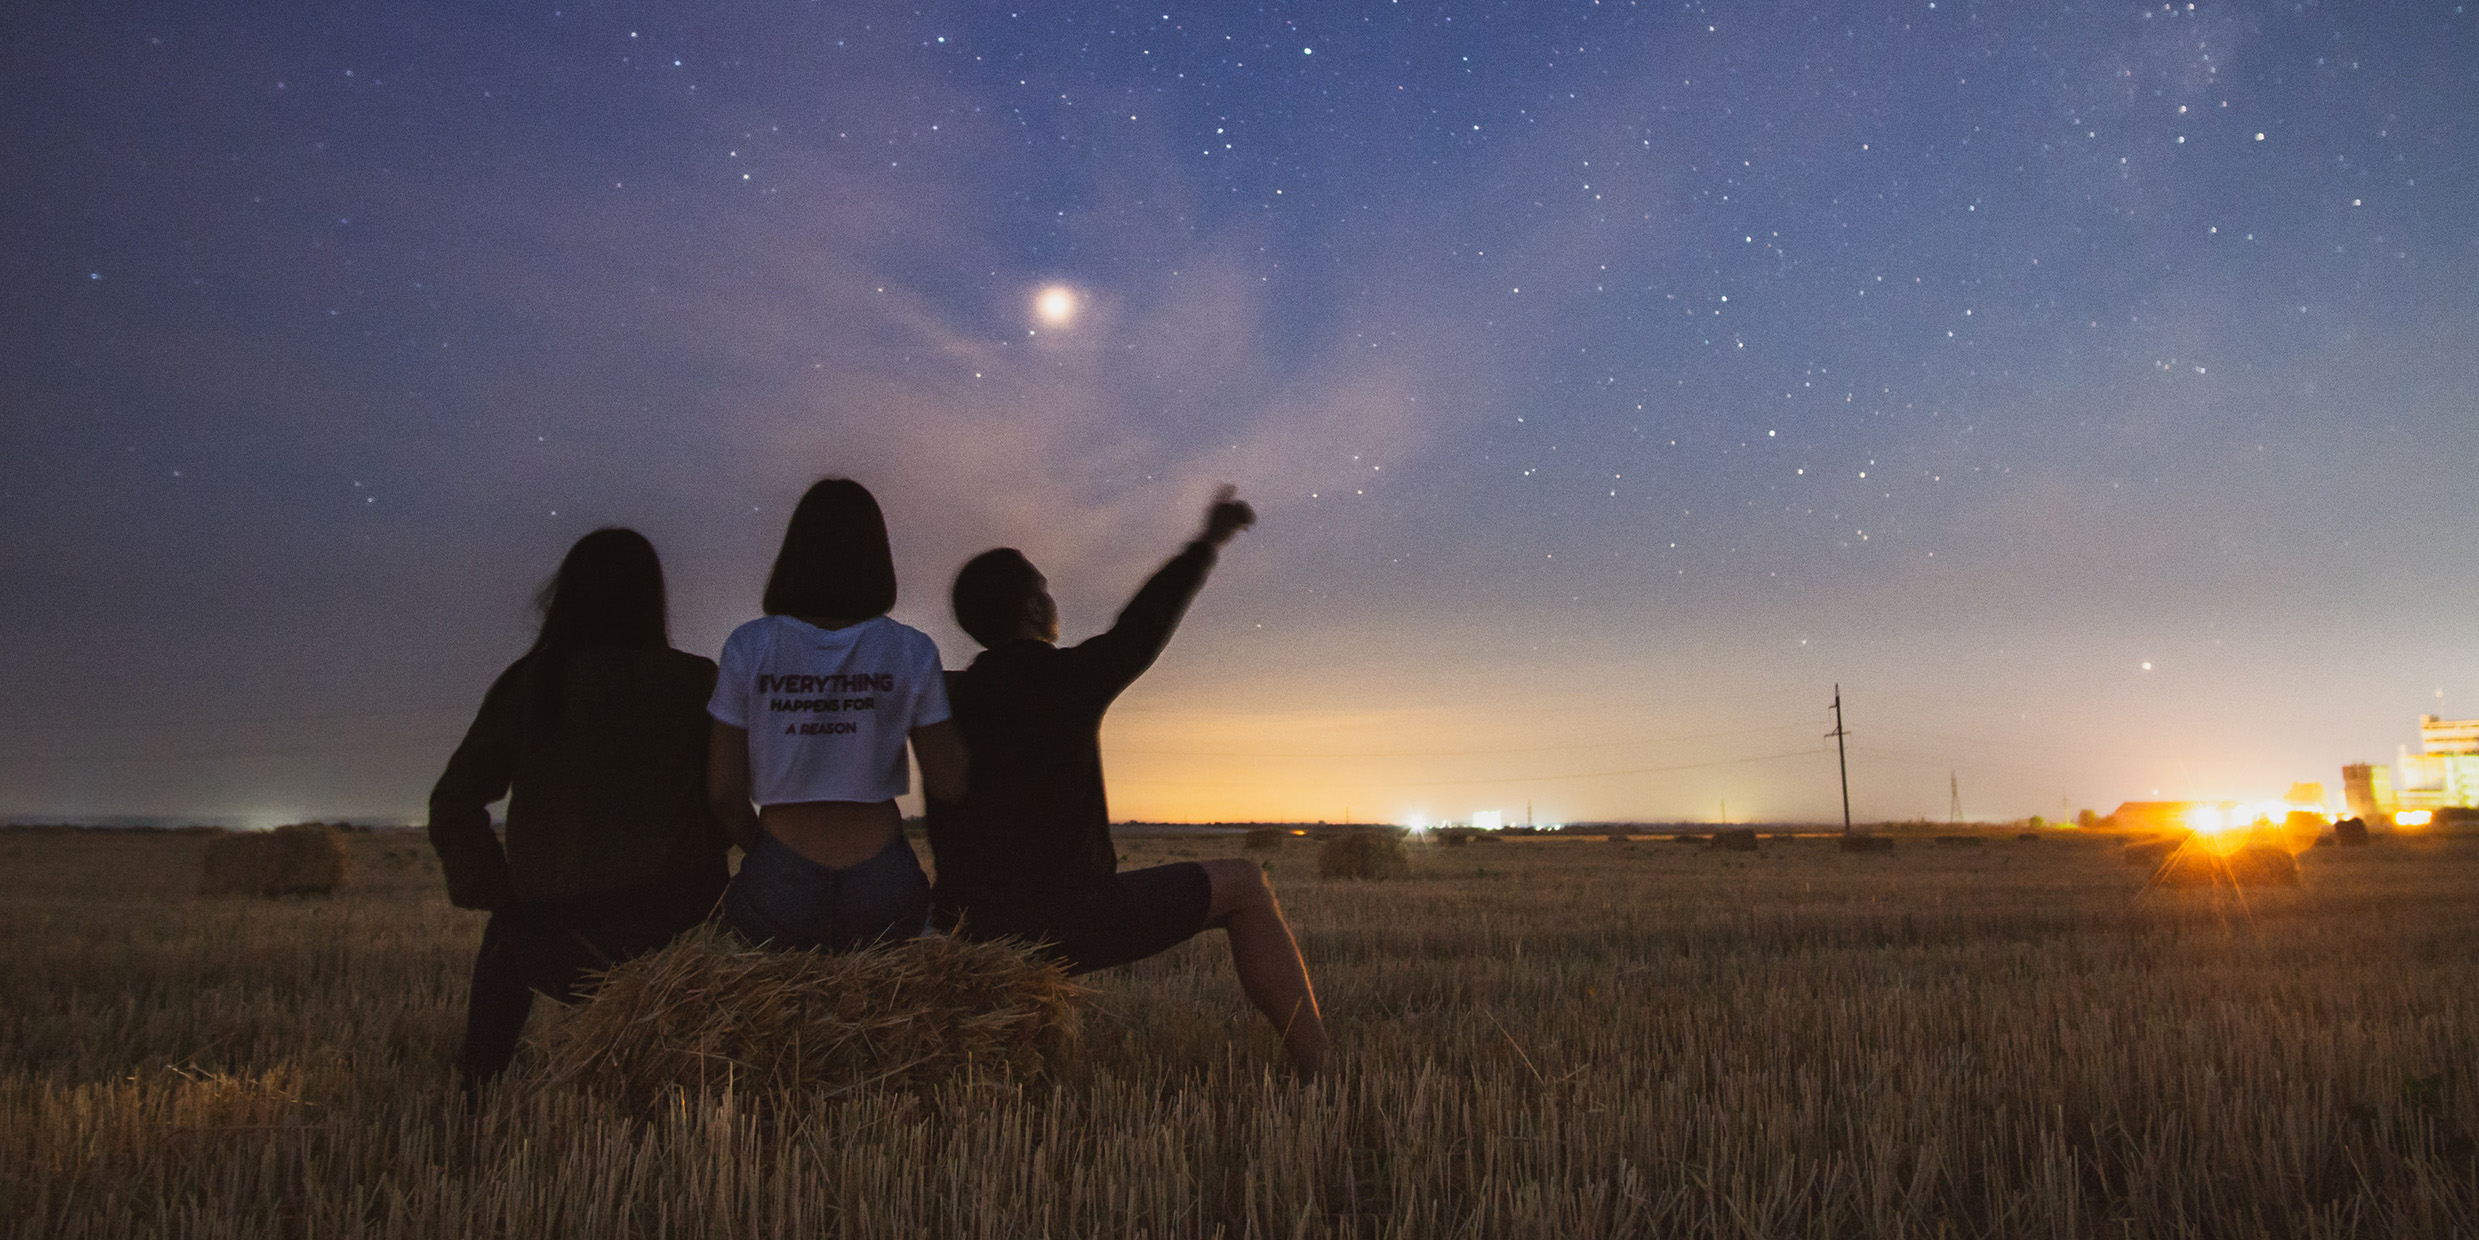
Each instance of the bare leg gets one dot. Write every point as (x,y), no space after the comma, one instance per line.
(1267,959)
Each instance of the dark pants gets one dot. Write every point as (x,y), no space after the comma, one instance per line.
(552,950)
(1121,919)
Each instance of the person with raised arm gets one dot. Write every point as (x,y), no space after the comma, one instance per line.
(1027,851)
(813,708)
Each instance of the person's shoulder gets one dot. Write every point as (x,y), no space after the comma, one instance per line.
(751,630)
(515,676)
(910,638)
(752,638)
(1014,661)
(684,664)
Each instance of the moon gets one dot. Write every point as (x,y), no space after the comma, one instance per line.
(1056,305)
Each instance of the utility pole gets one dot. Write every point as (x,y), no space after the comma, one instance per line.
(1954,811)
(1843,758)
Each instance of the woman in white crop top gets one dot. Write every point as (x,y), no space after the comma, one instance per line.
(812,709)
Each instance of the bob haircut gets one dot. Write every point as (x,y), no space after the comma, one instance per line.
(835,562)
(990,592)
(608,592)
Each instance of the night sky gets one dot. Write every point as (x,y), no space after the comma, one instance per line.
(1611,380)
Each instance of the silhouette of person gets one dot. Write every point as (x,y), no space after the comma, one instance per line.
(597,738)
(812,710)
(1027,852)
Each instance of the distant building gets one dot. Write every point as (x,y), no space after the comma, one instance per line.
(2451,736)
(2443,774)
(2367,789)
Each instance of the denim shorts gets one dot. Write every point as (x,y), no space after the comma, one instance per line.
(787,900)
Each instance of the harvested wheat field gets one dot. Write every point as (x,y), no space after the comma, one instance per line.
(1545,1038)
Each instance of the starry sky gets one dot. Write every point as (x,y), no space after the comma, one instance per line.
(2087,389)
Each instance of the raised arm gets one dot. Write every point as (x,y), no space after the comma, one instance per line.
(1145,625)
(470,858)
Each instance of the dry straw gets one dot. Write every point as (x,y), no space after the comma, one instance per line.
(1376,853)
(306,858)
(1264,839)
(1735,839)
(709,1011)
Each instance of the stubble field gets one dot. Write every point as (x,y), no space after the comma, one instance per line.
(1536,1038)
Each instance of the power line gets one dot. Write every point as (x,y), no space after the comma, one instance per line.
(1454,783)
(236,755)
(1449,753)
(285,721)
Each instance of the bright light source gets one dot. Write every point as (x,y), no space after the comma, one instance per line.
(1416,822)
(1056,305)
(2206,819)
(1487,819)
(2414,818)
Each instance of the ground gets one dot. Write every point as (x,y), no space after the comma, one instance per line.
(1538,1037)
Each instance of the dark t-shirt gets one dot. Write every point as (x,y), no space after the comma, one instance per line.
(606,799)
(1034,824)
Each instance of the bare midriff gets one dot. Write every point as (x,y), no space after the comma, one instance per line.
(840,834)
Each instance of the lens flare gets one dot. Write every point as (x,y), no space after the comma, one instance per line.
(2206,819)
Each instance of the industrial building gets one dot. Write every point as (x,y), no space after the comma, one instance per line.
(2444,773)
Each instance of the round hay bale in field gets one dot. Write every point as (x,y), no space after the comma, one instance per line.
(306,858)
(2251,865)
(1264,839)
(2351,833)
(1375,853)
(709,1011)
(2150,852)
(1735,839)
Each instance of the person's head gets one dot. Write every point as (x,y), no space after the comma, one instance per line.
(835,562)
(999,597)
(608,592)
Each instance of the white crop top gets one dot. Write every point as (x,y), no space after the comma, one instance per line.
(828,710)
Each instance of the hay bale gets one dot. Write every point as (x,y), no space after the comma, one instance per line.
(306,858)
(1864,843)
(2150,852)
(1735,839)
(1363,854)
(2251,865)
(709,1011)
(1264,839)
(2351,833)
